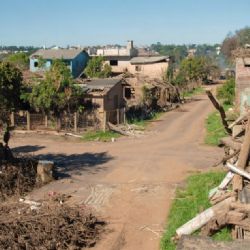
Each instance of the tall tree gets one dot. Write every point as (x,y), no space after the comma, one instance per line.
(97,68)
(10,89)
(57,93)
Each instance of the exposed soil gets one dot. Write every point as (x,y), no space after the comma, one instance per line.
(131,181)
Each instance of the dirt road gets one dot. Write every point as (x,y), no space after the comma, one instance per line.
(130,182)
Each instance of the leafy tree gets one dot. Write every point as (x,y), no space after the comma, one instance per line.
(198,68)
(227,91)
(235,40)
(57,93)
(97,68)
(20,60)
(10,89)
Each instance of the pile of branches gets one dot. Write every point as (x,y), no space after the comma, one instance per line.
(17,177)
(231,199)
(52,226)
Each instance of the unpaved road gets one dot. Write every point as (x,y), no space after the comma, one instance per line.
(130,182)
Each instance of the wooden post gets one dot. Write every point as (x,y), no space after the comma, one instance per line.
(75,122)
(12,119)
(46,121)
(28,121)
(124,115)
(243,158)
(118,116)
(104,121)
(221,110)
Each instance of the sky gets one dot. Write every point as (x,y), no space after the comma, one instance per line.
(99,22)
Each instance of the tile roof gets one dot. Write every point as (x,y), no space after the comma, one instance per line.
(57,53)
(148,59)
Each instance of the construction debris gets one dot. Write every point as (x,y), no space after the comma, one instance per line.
(231,199)
(52,226)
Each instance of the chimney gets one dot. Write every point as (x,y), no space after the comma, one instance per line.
(130,45)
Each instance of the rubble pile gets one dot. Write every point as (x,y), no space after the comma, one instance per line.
(231,199)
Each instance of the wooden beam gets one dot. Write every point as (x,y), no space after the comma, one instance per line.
(221,111)
(243,158)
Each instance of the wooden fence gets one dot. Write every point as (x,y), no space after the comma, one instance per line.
(76,122)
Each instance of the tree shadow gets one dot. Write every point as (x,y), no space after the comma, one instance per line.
(76,164)
(27,149)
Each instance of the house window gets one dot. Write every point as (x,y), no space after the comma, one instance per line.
(137,68)
(113,62)
(35,64)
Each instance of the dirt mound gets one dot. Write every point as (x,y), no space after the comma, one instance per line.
(52,226)
(17,177)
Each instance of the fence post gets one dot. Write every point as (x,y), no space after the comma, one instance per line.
(104,120)
(124,115)
(118,116)
(12,119)
(75,122)
(28,120)
(46,121)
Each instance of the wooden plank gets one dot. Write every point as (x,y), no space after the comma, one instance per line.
(243,158)
(238,171)
(201,219)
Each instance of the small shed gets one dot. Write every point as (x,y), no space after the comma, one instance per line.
(109,97)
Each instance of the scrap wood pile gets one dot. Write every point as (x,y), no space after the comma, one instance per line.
(47,226)
(231,199)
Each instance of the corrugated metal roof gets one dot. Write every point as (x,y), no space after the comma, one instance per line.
(100,84)
(57,53)
(148,60)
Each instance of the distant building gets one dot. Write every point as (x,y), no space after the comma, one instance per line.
(118,57)
(75,59)
(151,66)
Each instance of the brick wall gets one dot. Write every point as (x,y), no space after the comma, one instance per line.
(242,79)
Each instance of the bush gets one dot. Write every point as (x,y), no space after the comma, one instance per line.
(227,92)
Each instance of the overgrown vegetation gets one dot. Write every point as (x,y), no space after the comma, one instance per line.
(215,129)
(189,202)
(100,136)
(226,92)
(97,68)
(194,91)
(20,60)
(57,93)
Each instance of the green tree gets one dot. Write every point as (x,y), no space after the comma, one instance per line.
(57,93)
(227,92)
(20,60)
(97,68)
(10,89)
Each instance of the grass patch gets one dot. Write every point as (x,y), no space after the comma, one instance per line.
(215,128)
(189,202)
(100,136)
(195,91)
(142,123)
